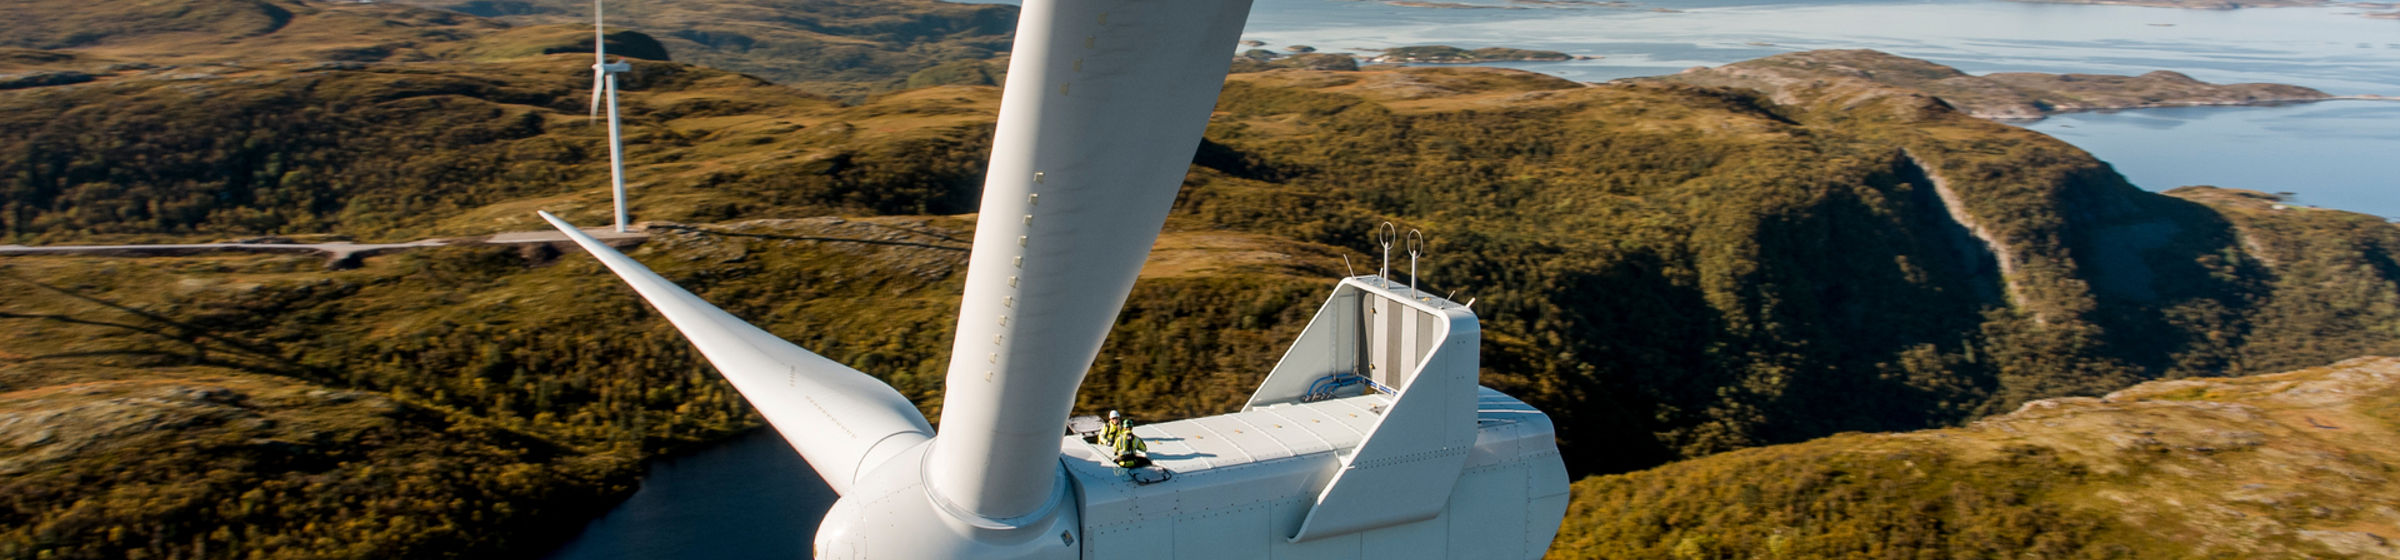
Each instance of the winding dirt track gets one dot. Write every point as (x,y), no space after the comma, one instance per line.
(339,254)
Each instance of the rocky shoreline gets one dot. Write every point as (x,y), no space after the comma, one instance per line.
(1308,57)
(2390,10)
(2014,96)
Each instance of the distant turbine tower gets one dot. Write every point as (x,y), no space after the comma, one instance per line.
(1370,439)
(604,83)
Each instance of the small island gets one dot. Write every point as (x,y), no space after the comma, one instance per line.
(2237,4)
(1447,5)
(1445,54)
(2189,4)
(1256,60)
(2004,95)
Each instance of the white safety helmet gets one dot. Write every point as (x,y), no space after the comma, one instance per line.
(1112,415)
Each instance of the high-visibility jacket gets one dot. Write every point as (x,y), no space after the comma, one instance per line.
(1127,445)
(1109,433)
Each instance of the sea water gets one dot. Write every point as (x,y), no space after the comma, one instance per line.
(2343,155)
(2325,48)
(2333,154)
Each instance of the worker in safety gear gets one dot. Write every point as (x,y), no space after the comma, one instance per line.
(1131,452)
(1115,427)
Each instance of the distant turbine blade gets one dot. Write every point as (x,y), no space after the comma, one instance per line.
(599,81)
(841,420)
(599,56)
(1104,106)
(599,36)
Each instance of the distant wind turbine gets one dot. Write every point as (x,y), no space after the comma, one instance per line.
(604,83)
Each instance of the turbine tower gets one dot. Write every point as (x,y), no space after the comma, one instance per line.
(1370,438)
(604,83)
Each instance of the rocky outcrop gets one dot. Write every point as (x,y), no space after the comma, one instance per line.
(1983,245)
(2007,95)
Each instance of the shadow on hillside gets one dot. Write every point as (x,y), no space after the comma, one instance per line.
(198,339)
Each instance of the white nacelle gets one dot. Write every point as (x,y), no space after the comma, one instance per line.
(1421,463)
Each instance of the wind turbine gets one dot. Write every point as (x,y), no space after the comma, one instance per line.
(604,83)
(1370,438)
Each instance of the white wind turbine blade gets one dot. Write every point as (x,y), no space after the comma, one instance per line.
(599,35)
(599,56)
(1104,107)
(599,81)
(842,421)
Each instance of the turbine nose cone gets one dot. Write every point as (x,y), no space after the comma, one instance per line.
(890,515)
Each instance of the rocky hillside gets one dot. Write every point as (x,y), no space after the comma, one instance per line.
(2290,465)
(845,48)
(1727,270)
(1707,263)
(481,401)
(2003,95)
(1670,270)
(202,37)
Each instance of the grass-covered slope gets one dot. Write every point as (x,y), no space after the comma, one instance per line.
(1674,271)
(1669,270)
(480,401)
(127,35)
(151,460)
(2289,465)
(391,151)
(846,48)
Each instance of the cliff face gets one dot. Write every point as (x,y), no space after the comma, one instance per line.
(2288,465)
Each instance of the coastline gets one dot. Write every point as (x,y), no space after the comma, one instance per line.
(2018,119)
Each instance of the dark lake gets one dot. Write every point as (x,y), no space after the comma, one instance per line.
(748,497)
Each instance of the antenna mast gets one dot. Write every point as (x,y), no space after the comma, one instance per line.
(1416,247)
(1384,235)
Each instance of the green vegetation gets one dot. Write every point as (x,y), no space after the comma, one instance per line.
(1844,497)
(154,460)
(1726,272)
(2288,465)
(463,401)
(1671,271)
(393,152)
(957,73)
(145,424)
(845,48)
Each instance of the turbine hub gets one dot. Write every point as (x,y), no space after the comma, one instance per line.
(892,513)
